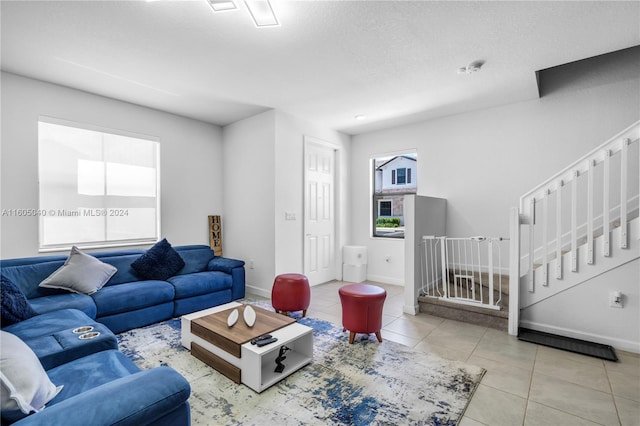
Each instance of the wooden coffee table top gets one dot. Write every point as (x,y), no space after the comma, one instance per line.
(240,333)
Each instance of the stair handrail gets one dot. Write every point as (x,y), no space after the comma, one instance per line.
(614,144)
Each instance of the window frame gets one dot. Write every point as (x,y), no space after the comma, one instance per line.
(42,247)
(384,200)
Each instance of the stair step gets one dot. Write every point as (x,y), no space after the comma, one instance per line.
(485,280)
(498,319)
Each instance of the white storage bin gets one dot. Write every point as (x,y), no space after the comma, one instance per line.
(354,255)
(354,273)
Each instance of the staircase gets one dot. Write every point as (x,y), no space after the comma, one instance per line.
(576,227)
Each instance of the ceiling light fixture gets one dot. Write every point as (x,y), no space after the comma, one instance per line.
(222,5)
(262,13)
(471,68)
(360,117)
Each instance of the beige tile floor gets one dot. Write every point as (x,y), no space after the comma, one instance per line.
(525,384)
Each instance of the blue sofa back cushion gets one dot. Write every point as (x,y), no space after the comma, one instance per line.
(196,258)
(28,277)
(159,262)
(14,305)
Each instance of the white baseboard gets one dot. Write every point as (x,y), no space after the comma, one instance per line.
(385,280)
(621,344)
(257,291)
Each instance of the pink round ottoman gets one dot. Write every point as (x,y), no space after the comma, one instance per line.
(291,293)
(362,309)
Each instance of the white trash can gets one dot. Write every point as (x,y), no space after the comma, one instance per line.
(354,264)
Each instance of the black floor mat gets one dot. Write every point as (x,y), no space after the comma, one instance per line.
(568,344)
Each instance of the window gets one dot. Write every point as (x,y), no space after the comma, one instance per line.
(393,178)
(97,188)
(384,208)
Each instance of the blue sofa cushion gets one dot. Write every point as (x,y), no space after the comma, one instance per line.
(200,283)
(28,277)
(125,273)
(81,302)
(159,262)
(128,297)
(60,347)
(26,388)
(196,258)
(157,396)
(14,305)
(50,322)
(81,273)
(90,372)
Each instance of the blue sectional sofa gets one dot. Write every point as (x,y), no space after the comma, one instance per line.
(89,382)
(127,301)
(98,384)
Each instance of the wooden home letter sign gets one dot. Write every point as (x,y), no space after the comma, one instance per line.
(215,234)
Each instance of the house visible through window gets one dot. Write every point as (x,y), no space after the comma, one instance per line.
(393,177)
(97,187)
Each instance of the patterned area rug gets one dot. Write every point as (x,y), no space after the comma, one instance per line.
(360,384)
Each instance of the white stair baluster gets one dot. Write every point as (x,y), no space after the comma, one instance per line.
(545,243)
(590,171)
(623,194)
(574,222)
(532,217)
(559,230)
(606,220)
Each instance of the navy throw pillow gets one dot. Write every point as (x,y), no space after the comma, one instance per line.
(14,304)
(159,262)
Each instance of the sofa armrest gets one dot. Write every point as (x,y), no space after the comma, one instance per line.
(224,264)
(139,399)
(236,269)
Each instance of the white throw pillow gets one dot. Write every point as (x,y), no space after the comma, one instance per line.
(25,385)
(81,273)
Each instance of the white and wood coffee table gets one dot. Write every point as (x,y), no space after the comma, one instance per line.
(229,350)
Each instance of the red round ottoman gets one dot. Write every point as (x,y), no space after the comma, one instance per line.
(290,293)
(362,309)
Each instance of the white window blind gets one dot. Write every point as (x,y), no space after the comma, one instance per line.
(97,187)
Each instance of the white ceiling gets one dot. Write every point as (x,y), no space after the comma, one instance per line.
(393,61)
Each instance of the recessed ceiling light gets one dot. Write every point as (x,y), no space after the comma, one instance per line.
(360,117)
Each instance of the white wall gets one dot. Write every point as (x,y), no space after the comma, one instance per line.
(591,317)
(248,231)
(263,179)
(482,161)
(191,158)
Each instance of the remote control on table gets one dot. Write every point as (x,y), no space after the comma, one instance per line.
(259,338)
(265,342)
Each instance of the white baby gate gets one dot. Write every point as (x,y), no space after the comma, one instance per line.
(464,270)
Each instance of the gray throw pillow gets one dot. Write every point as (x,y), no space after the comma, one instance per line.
(81,273)
(25,386)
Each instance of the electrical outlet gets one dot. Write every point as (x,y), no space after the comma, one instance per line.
(615,299)
(250,263)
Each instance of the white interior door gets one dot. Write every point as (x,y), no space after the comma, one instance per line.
(319,209)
